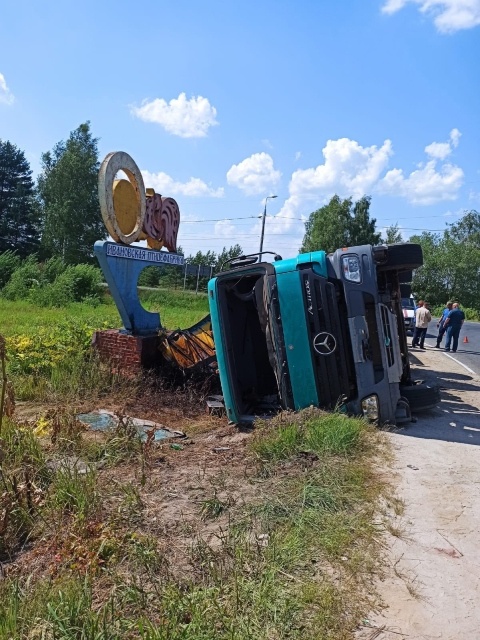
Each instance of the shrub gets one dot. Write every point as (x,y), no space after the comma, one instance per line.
(25,278)
(52,269)
(471,314)
(82,280)
(75,284)
(9,262)
(149,277)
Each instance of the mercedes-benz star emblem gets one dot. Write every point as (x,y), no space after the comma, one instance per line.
(324,343)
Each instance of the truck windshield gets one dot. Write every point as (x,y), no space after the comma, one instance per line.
(407,303)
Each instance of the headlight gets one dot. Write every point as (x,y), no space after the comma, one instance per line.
(370,407)
(351,268)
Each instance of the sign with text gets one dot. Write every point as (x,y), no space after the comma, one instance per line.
(144,254)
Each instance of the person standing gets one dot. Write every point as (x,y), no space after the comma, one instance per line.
(453,324)
(441,323)
(422,318)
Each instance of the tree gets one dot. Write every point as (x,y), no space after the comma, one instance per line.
(212,260)
(19,212)
(466,230)
(392,234)
(225,256)
(68,192)
(451,263)
(340,223)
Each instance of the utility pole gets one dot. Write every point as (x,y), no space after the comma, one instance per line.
(263,221)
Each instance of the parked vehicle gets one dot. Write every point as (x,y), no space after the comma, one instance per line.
(408,309)
(318,329)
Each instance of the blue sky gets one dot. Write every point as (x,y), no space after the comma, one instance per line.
(224,103)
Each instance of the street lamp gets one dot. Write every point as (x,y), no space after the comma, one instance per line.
(263,221)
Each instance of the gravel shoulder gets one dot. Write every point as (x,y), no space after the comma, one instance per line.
(431,585)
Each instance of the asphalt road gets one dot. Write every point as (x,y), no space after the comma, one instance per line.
(468,354)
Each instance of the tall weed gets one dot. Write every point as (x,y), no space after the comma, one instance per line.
(24,478)
(74,492)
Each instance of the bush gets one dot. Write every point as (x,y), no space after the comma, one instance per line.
(9,262)
(52,269)
(25,278)
(149,277)
(74,284)
(81,280)
(471,314)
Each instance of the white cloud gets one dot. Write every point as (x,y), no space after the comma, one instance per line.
(298,155)
(185,118)
(440,150)
(448,15)
(454,214)
(349,170)
(6,96)
(426,185)
(247,237)
(352,170)
(474,196)
(167,186)
(455,137)
(391,6)
(254,175)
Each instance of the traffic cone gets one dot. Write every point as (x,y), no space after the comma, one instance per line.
(465,340)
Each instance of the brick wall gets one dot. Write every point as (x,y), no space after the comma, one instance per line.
(127,353)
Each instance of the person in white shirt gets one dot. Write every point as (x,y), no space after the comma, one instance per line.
(422,318)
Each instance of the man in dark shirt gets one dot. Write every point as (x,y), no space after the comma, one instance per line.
(453,324)
(441,323)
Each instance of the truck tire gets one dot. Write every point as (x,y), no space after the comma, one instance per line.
(421,396)
(404,256)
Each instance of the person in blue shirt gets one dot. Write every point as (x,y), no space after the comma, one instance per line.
(441,323)
(453,324)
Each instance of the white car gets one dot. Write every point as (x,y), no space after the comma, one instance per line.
(408,308)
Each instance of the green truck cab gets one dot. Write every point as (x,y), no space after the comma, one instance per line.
(320,329)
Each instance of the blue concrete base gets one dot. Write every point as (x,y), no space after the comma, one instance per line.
(121,266)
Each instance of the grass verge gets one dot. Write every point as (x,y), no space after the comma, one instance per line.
(292,559)
(49,349)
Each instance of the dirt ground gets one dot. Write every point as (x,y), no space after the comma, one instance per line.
(431,586)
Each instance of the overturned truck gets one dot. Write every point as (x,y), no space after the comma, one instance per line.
(319,329)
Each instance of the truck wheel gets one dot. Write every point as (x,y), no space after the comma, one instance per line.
(421,396)
(403,256)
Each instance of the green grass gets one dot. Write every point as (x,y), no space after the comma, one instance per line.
(19,317)
(49,348)
(178,309)
(333,434)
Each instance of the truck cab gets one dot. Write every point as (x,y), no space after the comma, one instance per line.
(318,329)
